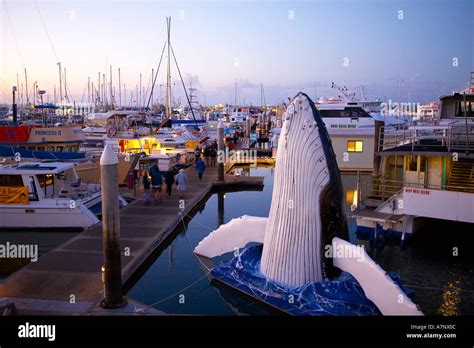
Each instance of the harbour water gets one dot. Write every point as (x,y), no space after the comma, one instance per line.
(177,283)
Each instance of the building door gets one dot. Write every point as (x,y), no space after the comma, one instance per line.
(415,171)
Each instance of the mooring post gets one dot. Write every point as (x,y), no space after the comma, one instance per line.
(112,269)
(220,208)
(221,151)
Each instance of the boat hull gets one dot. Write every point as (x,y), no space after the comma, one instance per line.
(18,217)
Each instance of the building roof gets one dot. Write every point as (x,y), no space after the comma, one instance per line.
(36,168)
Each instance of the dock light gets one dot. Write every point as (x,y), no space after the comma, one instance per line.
(102,270)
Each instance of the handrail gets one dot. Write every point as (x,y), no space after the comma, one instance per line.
(384,189)
(453,136)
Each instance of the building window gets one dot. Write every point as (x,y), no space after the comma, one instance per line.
(355,146)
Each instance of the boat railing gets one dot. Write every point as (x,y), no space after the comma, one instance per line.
(380,190)
(455,136)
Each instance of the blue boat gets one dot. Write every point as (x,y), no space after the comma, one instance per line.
(11,151)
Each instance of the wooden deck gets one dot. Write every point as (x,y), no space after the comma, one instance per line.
(67,280)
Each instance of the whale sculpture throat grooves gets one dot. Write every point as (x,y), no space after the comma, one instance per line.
(307,210)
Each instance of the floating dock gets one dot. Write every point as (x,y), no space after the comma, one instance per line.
(68,279)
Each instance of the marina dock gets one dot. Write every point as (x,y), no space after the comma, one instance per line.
(68,280)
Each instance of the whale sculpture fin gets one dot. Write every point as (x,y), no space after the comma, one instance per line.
(377,285)
(237,233)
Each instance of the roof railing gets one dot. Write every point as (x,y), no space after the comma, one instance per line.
(454,136)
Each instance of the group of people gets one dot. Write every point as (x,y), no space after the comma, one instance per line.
(209,152)
(153,183)
(153,178)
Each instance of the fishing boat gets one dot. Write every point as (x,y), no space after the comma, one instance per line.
(41,142)
(47,195)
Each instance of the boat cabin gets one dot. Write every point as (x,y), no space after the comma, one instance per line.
(40,181)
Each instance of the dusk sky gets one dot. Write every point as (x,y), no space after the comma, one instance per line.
(286,45)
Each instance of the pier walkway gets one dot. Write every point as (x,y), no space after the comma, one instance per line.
(68,280)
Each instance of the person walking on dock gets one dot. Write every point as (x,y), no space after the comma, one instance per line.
(197,153)
(146,188)
(200,167)
(213,154)
(181,182)
(156,182)
(169,179)
(207,154)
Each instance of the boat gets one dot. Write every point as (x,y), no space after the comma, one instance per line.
(41,142)
(47,195)
(426,172)
(238,115)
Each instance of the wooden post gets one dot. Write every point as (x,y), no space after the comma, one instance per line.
(220,151)
(112,269)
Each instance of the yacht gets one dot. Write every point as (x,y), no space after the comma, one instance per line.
(47,195)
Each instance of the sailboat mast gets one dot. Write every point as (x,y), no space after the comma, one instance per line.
(18,88)
(89,92)
(168,74)
(66,96)
(140,92)
(120,89)
(26,89)
(235,94)
(151,93)
(111,89)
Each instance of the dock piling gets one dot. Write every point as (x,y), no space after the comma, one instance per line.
(112,269)
(221,151)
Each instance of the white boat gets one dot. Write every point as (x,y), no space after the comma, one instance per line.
(239,115)
(46,195)
(426,172)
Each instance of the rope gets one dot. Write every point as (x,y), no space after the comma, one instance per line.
(189,243)
(174,294)
(142,310)
(14,35)
(184,87)
(46,30)
(155,77)
(438,289)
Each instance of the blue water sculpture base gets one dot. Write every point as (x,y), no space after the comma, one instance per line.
(342,296)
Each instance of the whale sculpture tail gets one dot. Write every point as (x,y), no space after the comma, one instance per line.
(307,209)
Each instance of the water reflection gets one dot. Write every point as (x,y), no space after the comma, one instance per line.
(442,283)
(220,208)
(451,299)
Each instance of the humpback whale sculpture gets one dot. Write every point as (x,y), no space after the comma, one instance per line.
(306,218)
(306,210)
